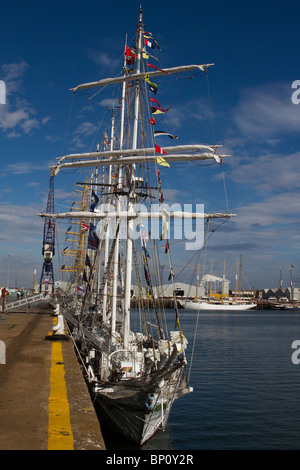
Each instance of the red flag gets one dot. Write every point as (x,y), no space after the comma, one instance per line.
(153,66)
(129,52)
(155,101)
(152,121)
(159,105)
(130,55)
(159,150)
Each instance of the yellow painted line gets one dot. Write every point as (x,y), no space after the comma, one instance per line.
(60,436)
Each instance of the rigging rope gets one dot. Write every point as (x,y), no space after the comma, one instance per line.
(213,135)
(210,109)
(68,125)
(194,345)
(225,190)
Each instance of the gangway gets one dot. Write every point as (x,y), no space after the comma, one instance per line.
(27,300)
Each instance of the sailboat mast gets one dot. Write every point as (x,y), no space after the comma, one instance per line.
(223,283)
(131,201)
(236,281)
(210,284)
(241,274)
(292,283)
(197,286)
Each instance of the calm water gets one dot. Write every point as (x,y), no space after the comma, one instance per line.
(246,388)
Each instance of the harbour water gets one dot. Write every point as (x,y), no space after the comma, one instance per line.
(246,387)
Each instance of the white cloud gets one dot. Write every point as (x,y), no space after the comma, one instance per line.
(17,116)
(270,172)
(45,120)
(262,229)
(193,111)
(279,209)
(171,195)
(266,111)
(12,119)
(24,168)
(104,60)
(19,223)
(14,70)
(83,131)
(33,184)
(109,102)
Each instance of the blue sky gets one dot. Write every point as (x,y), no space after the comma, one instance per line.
(255,47)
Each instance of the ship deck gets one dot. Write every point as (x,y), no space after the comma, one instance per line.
(44,400)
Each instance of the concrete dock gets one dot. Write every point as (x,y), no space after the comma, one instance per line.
(44,400)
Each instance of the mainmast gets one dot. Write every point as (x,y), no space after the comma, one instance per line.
(132,197)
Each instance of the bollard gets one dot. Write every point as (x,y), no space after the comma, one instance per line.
(58,330)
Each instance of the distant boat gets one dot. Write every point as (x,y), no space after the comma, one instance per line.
(223,303)
(218,306)
(283,306)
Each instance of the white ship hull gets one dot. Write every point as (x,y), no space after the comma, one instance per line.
(218,307)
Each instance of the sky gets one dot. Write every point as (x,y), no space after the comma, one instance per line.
(245,104)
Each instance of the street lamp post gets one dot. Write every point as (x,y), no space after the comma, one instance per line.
(7,271)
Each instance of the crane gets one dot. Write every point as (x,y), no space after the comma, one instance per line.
(48,251)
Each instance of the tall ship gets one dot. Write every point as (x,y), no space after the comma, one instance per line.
(219,302)
(133,359)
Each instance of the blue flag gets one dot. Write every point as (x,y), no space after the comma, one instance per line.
(87,261)
(93,240)
(95,201)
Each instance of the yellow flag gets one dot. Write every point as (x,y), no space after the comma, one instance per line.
(161,161)
(148,294)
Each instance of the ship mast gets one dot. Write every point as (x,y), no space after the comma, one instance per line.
(118,208)
(108,208)
(132,199)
